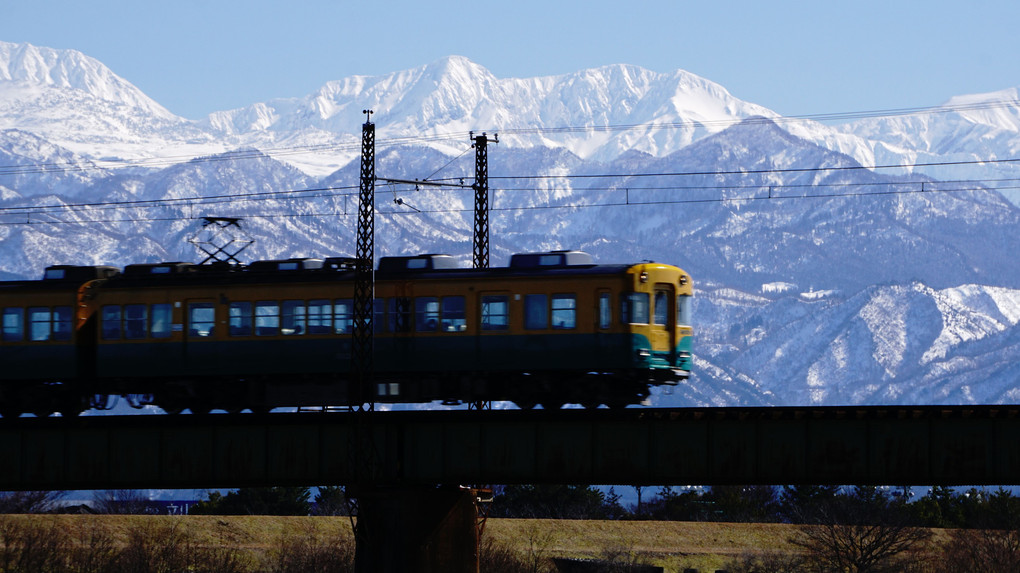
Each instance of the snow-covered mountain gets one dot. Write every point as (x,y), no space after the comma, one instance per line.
(77,103)
(842,285)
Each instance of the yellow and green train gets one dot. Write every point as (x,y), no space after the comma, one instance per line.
(551,328)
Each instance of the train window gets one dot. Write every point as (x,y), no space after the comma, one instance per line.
(605,310)
(110,319)
(400,314)
(38,323)
(320,318)
(61,323)
(453,314)
(136,321)
(343,311)
(661,308)
(344,318)
(550,260)
(201,319)
(634,308)
(293,319)
(162,318)
(683,309)
(564,311)
(426,310)
(379,315)
(239,318)
(267,318)
(14,325)
(536,312)
(495,312)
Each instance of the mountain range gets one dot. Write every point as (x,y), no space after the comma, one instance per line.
(848,259)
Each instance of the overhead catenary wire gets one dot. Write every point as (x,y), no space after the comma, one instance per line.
(438,182)
(885,189)
(29,211)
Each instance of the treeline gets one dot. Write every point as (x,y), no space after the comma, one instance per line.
(936,507)
(939,507)
(860,529)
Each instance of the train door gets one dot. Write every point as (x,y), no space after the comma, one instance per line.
(200,354)
(664,321)
(495,350)
(605,346)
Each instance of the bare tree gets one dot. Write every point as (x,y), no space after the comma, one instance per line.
(124,501)
(862,532)
(767,562)
(986,550)
(29,501)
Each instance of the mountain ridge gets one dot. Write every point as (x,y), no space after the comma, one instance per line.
(597,114)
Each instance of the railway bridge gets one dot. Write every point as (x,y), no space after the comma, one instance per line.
(971,445)
(395,459)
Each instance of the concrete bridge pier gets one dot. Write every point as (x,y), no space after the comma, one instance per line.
(417,529)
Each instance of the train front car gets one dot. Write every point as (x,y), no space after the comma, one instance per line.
(656,312)
(46,347)
(558,329)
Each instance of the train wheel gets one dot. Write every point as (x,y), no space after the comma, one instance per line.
(102,401)
(10,407)
(618,403)
(71,408)
(552,404)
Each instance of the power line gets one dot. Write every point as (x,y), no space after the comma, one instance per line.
(320,192)
(767,171)
(174,200)
(766,193)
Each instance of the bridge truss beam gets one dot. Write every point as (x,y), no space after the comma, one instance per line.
(882,446)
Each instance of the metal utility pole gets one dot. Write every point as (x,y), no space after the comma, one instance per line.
(402,528)
(361,449)
(364,281)
(480,259)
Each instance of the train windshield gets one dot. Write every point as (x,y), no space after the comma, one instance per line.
(683,309)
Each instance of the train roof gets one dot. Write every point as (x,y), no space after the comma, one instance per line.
(552,259)
(62,278)
(422,266)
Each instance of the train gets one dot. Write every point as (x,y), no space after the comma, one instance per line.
(551,329)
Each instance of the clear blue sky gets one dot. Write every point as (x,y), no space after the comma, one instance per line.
(818,56)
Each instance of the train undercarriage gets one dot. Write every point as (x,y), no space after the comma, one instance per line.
(527,390)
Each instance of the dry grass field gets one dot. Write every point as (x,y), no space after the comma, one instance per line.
(671,544)
(251,543)
(674,545)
